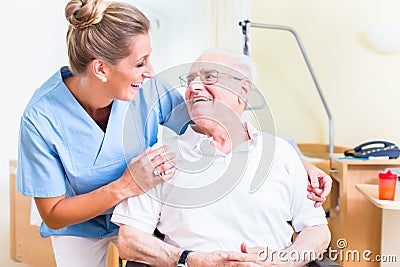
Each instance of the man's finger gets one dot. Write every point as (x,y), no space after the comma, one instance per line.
(235,256)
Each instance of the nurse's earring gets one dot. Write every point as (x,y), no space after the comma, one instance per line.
(104,79)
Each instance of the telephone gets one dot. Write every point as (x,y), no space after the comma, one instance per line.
(374,149)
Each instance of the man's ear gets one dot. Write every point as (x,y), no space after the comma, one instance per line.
(99,69)
(245,90)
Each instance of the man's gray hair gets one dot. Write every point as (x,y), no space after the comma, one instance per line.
(242,62)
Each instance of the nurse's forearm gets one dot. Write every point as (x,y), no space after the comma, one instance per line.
(59,212)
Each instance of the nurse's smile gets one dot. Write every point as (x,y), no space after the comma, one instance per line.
(136,86)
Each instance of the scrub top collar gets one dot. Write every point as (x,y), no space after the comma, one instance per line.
(95,139)
(76,107)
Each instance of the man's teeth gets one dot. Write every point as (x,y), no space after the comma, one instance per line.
(136,84)
(197,99)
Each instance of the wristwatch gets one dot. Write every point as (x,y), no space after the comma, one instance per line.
(183,258)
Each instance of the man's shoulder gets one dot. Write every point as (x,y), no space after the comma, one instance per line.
(277,142)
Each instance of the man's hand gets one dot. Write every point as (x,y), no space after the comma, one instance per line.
(320,183)
(213,258)
(253,256)
(227,258)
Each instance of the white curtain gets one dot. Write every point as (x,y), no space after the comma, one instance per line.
(219,23)
(182,29)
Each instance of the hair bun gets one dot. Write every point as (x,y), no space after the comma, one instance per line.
(83,13)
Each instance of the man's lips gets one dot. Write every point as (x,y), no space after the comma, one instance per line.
(201,99)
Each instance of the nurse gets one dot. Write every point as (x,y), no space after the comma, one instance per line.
(71,154)
(71,146)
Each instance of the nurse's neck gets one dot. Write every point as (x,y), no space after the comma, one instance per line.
(87,92)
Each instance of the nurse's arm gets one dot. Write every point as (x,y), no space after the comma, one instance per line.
(138,246)
(59,212)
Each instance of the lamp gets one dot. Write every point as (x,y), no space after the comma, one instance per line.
(245,24)
(384,36)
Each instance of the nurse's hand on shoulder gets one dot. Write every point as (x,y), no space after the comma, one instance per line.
(146,170)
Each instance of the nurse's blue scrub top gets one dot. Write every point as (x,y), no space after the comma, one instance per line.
(63,151)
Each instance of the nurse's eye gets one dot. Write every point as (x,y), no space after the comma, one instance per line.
(139,65)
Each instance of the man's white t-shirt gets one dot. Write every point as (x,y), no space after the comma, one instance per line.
(214,201)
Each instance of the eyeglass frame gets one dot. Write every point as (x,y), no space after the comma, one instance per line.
(184,81)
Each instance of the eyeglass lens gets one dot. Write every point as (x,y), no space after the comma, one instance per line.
(206,76)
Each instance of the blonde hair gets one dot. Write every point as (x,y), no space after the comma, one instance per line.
(101,30)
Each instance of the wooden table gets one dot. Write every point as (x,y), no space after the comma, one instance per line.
(389,213)
(353,217)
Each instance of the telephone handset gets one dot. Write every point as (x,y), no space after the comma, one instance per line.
(374,149)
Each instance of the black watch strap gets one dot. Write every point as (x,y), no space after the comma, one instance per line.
(183,258)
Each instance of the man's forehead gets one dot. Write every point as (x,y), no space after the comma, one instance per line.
(200,65)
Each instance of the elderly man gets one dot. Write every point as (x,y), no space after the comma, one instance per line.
(207,212)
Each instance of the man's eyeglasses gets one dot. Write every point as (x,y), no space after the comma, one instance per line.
(207,77)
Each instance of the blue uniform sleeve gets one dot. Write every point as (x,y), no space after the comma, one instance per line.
(172,107)
(40,172)
(156,104)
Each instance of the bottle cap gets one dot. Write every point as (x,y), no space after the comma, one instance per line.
(388,175)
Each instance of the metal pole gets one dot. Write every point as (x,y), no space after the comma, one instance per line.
(246,23)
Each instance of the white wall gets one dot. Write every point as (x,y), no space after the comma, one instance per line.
(174,31)
(33,48)
(361,85)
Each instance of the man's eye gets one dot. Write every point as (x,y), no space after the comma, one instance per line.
(210,77)
(190,78)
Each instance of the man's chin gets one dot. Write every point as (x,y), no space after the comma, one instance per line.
(198,113)
(201,117)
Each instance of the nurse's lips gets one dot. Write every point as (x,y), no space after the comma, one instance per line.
(136,86)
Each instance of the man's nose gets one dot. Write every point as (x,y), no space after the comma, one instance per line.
(196,84)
